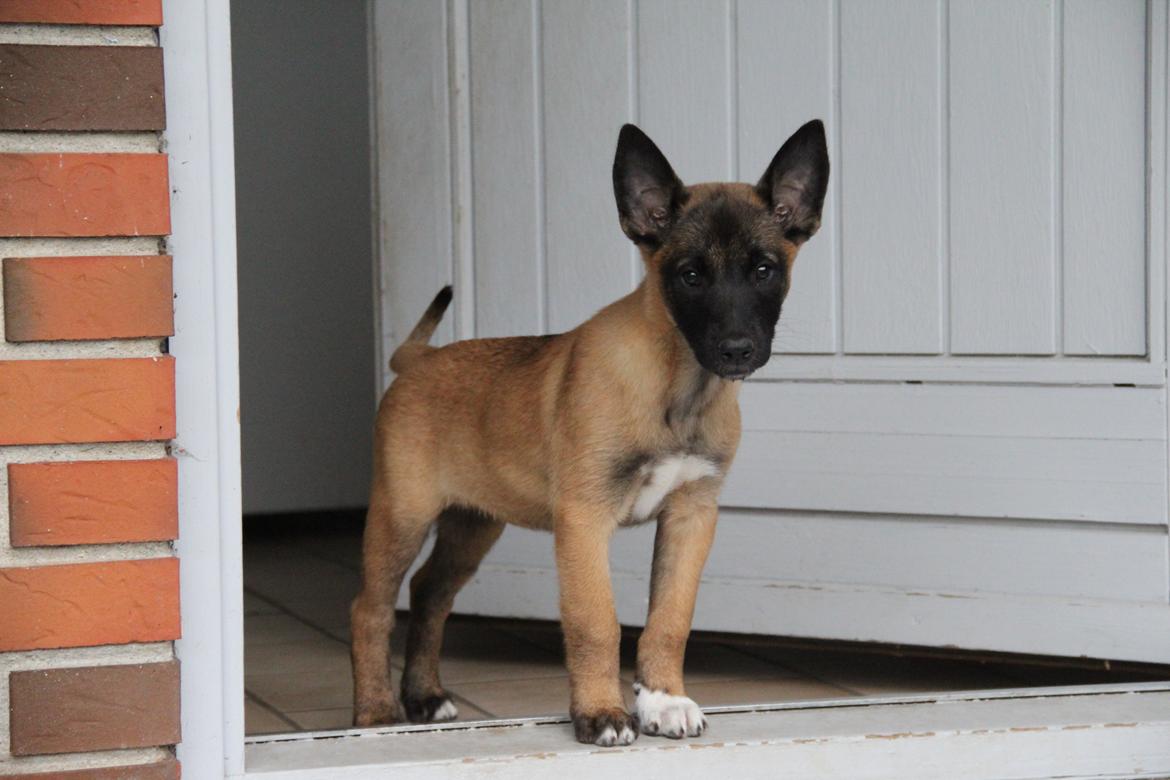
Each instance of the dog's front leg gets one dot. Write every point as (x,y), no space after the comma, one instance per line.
(686,528)
(592,634)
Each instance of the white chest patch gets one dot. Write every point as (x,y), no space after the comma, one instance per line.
(666,476)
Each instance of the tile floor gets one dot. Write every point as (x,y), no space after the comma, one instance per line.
(298,583)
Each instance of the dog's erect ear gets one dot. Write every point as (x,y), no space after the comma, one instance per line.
(794,184)
(648,192)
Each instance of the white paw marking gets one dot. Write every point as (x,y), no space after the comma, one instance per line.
(609,737)
(447,711)
(665,715)
(665,476)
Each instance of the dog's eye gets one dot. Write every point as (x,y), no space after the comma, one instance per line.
(764,272)
(691,277)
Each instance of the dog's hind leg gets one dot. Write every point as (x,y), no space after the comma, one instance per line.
(396,527)
(463,540)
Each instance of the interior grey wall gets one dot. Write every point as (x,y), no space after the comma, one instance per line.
(305,268)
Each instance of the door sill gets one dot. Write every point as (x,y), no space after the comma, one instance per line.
(1088,731)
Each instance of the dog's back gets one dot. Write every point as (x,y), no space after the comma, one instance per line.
(476,416)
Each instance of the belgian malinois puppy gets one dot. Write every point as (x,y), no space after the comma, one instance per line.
(629,418)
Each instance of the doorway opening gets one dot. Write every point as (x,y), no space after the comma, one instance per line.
(312,357)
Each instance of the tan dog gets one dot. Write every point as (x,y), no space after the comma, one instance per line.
(631,417)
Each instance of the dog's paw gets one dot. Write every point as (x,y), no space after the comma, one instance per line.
(661,714)
(430,709)
(608,728)
(380,713)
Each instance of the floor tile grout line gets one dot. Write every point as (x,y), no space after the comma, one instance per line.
(329,634)
(337,561)
(315,552)
(288,612)
(560,675)
(770,662)
(303,727)
(470,703)
(256,699)
(804,673)
(529,642)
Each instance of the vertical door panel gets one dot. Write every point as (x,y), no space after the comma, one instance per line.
(509,273)
(890,175)
(586,94)
(1104,215)
(785,75)
(414,221)
(683,95)
(1002,177)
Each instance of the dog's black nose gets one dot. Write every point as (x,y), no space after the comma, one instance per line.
(735,350)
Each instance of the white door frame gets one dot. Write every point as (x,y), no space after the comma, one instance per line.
(196,39)
(1091,731)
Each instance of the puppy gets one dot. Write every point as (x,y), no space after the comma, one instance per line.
(631,417)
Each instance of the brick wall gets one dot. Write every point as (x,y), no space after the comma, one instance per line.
(89,589)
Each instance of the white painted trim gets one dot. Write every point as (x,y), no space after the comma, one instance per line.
(1157,206)
(462,202)
(1091,731)
(381,360)
(199,140)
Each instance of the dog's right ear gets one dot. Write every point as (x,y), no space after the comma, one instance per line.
(649,194)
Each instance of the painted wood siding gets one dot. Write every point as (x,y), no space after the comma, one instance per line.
(988,195)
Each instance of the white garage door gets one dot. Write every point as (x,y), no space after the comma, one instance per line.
(962,440)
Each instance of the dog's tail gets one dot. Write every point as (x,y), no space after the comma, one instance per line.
(416,343)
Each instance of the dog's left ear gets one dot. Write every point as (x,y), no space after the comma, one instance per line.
(649,194)
(794,184)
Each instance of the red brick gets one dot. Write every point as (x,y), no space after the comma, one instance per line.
(81,87)
(59,298)
(94,708)
(86,604)
(76,401)
(92,502)
(160,770)
(84,195)
(135,12)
